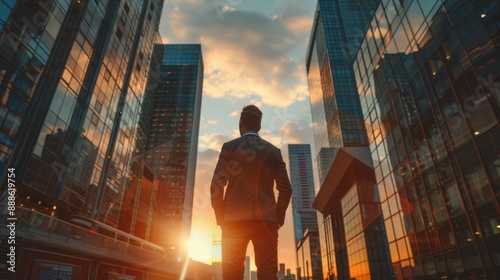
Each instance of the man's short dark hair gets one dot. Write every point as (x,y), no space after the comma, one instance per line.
(251,116)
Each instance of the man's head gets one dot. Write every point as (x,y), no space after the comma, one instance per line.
(250,119)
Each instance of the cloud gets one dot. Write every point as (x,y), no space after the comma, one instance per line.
(293,7)
(212,141)
(296,134)
(246,54)
(235,114)
(289,133)
(297,16)
(298,24)
(204,123)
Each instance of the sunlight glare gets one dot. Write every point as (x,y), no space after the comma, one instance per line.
(200,246)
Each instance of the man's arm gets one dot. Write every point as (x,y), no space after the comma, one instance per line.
(219,181)
(284,189)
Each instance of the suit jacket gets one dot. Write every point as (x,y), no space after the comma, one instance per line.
(250,166)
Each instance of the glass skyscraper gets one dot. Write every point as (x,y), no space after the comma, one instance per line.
(302,179)
(72,90)
(428,78)
(173,143)
(336,114)
(304,215)
(73,86)
(351,231)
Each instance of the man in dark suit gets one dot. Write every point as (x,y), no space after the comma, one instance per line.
(248,210)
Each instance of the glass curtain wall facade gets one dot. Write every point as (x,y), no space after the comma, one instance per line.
(304,215)
(338,125)
(336,114)
(72,86)
(308,257)
(428,75)
(136,215)
(301,177)
(173,143)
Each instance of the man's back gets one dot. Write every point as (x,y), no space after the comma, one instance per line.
(254,164)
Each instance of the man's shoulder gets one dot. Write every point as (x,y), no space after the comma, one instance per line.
(236,141)
(269,147)
(231,143)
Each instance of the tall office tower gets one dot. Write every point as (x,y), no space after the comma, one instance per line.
(428,79)
(284,274)
(351,229)
(72,79)
(304,215)
(173,143)
(337,119)
(302,179)
(281,271)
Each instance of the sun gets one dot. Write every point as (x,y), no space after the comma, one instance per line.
(200,246)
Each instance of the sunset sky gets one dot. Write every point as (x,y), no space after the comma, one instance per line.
(254,53)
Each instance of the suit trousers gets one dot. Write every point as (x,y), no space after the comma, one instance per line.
(235,238)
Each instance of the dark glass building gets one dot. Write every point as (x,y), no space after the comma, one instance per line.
(302,179)
(72,85)
(304,215)
(427,74)
(351,231)
(173,143)
(336,114)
